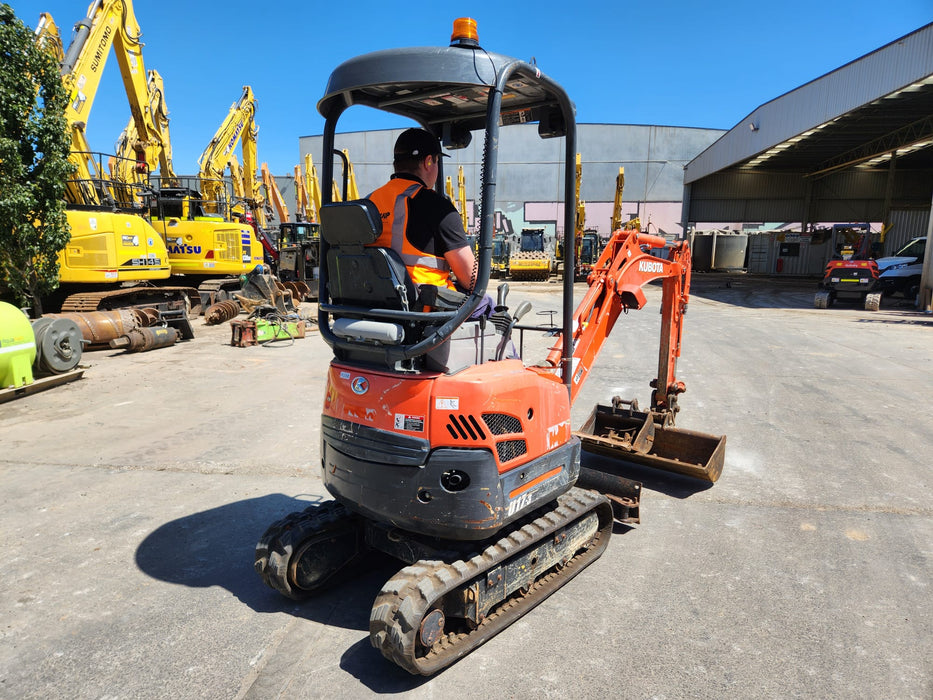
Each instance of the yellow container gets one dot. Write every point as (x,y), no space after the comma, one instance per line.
(17,347)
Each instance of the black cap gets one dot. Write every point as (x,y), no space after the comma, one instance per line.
(417,143)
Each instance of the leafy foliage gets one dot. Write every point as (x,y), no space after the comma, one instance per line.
(34,166)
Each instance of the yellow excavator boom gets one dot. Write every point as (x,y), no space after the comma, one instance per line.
(238,124)
(461,197)
(313,187)
(48,37)
(108,23)
(301,196)
(157,153)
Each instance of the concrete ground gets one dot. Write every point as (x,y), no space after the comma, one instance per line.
(131,501)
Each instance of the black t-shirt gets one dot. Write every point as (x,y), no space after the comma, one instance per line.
(434,225)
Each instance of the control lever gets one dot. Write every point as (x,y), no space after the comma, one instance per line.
(522,309)
(502,291)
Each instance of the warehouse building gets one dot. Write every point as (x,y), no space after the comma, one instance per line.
(531,172)
(855,145)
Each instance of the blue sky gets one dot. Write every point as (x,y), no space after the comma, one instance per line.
(667,62)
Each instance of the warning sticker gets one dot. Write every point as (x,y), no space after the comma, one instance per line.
(414,424)
(447,404)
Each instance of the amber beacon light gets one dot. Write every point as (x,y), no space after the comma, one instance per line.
(464,33)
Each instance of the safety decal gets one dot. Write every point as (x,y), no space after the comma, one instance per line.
(447,404)
(413,424)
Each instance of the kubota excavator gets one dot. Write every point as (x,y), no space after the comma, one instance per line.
(439,447)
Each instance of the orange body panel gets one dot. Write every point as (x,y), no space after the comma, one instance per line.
(447,409)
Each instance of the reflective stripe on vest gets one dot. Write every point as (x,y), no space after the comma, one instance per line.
(392,202)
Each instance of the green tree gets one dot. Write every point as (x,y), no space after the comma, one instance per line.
(34,167)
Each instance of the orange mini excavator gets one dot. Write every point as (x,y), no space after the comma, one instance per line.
(438,447)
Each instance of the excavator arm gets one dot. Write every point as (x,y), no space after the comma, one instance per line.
(301,196)
(238,124)
(108,23)
(48,37)
(313,187)
(274,195)
(136,156)
(240,183)
(615,286)
(616,223)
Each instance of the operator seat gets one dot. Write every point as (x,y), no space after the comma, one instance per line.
(363,279)
(360,274)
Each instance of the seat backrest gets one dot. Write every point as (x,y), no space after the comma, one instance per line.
(356,222)
(358,273)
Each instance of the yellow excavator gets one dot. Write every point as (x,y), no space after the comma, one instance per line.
(205,241)
(137,156)
(113,246)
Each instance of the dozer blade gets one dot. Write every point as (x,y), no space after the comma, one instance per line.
(635,436)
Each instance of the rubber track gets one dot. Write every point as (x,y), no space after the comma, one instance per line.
(281,539)
(408,596)
(90,301)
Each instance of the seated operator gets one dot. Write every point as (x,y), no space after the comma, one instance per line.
(420,224)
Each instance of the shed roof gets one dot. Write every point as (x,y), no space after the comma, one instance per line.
(855,115)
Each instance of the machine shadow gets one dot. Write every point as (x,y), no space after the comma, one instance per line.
(216,547)
(367,665)
(754,291)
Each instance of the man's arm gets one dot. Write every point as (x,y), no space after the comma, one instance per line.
(463,265)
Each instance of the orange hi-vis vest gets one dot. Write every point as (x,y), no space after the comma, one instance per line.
(392,201)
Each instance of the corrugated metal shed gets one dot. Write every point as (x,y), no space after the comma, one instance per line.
(835,115)
(853,145)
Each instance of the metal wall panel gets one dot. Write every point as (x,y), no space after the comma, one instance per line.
(531,168)
(905,225)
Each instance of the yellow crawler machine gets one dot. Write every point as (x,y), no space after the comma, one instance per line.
(205,241)
(112,241)
(140,154)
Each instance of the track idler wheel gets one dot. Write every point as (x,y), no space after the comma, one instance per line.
(307,551)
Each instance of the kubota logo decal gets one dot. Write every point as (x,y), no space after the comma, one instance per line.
(359,385)
(647,266)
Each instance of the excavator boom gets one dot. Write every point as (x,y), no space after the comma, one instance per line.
(621,431)
(274,195)
(615,285)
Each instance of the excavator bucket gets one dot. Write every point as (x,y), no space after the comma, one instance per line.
(625,433)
